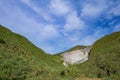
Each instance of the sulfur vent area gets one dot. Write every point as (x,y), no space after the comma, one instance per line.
(76,56)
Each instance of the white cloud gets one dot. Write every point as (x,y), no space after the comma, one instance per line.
(60,7)
(93,9)
(90,39)
(38,10)
(73,22)
(18,21)
(117,27)
(49,32)
(73,29)
(115,11)
(37,32)
(49,49)
(27,26)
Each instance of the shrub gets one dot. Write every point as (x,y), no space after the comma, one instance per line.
(62,73)
(2,41)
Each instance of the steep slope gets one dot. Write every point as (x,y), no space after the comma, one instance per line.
(104,58)
(20,59)
(16,55)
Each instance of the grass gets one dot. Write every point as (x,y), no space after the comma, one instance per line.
(105,57)
(21,60)
(19,57)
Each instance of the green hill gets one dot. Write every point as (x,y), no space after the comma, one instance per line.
(104,58)
(21,60)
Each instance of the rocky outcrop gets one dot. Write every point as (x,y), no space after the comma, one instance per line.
(76,56)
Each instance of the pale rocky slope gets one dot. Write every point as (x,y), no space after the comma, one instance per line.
(75,56)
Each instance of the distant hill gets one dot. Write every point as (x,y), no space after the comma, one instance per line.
(77,48)
(21,60)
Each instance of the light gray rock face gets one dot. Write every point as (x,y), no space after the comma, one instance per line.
(76,56)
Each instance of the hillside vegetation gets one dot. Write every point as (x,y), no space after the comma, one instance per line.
(21,60)
(104,58)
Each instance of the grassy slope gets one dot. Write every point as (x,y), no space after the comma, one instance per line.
(20,59)
(104,58)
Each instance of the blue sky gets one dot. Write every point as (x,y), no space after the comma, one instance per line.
(57,25)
